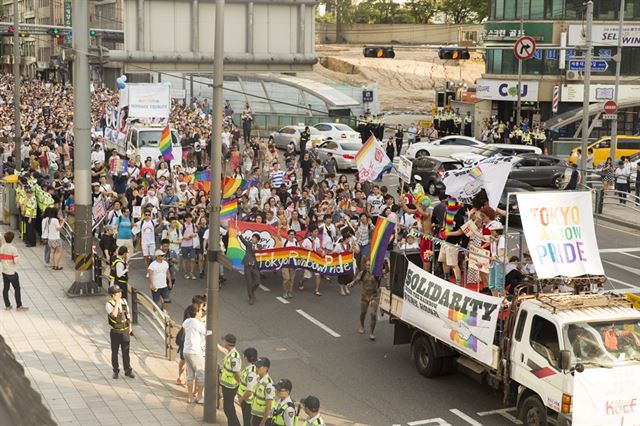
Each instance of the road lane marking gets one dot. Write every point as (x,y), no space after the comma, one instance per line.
(465,417)
(318,323)
(283,300)
(634,271)
(618,230)
(263,288)
(437,421)
(504,412)
(630,255)
(620,250)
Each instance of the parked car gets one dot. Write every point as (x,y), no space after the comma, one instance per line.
(512,187)
(343,151)
(431,171)
(282,137)
(444,147)
(337,131)
(541,170)
(491,150)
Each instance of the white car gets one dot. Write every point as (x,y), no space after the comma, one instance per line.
(444,147)
(343,151)
(287,134)
(495,149)
(337,131)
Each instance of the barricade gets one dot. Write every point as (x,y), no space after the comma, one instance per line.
(141,304)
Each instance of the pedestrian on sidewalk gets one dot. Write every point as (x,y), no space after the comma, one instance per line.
(159,279)
(194,335)
(622,182)
(121,329)
(247,385)
(9,258)
(230,378)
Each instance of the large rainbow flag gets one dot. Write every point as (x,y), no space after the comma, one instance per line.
(166,147)
(229,209)
(379,241)
(235,252)
(231,185)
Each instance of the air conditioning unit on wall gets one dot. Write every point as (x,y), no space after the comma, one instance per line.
(573,75)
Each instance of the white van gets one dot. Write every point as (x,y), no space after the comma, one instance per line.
(144,140)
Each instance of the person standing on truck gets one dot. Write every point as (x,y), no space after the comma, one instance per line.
(370,297)
(449,252)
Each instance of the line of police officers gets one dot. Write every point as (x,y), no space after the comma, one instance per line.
(451,122)
(263,403)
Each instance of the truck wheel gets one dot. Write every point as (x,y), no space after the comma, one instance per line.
(424,357)
(533,412)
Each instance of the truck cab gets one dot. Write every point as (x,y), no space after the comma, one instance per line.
(144,140)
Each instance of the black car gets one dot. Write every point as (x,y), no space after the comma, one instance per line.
(540,170)
(513,187)
(431,171)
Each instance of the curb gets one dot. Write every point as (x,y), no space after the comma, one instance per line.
(616,221)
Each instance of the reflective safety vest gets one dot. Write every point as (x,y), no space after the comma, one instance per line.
(260,400)
(278,413)
(120,323)
(227,376)
(113,276)
(242,387)
(20,197)
(30,208)
(317,422)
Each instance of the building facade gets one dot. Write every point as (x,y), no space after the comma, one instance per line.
(552,81)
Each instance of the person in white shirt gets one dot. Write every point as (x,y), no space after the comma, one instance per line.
(187,246)
(312,242)
(159,278)
(54,225)
(148,236)
(375,202)
(412,131)
(97,155)
(622,174)
(289,274)
(194,340)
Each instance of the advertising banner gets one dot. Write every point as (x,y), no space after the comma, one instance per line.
(506,90)
(297,257)
(607,396)
(404,168)
(149,100)
(558,227)
(489,173)
(605,35)
(457,316)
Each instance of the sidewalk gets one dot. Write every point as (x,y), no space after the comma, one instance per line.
(63,344)
(620,215)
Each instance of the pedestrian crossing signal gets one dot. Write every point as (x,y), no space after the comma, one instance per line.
(453,53)
(378,52)
(55,32)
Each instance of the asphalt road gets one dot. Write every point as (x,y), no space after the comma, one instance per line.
(314,342)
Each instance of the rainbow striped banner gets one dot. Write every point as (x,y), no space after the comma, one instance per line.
(119,165)
(230,186)
(379,241)
(166,147)
(204,176)
(235,252)
(466,318)
(228,209)
(470,343)
(297,257)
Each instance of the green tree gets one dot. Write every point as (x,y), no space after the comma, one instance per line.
(464,11)
(422,11)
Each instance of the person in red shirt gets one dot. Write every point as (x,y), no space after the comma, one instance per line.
(147,171)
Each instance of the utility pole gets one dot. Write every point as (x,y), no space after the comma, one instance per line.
(213,251)
(519,102)
(587,89)
(616,96)
(82,248)
(17,82)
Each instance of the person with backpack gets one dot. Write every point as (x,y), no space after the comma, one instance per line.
(284,412)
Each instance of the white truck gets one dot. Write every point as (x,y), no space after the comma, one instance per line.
(530,348)
(143,140)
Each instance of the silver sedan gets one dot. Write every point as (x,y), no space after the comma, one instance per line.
(343,152)
(282,137)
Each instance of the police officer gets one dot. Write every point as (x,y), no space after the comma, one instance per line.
(119,274)
(284,412)
(468,120)
(264,395)
(121,329)
(230,378)
(311,406)
(248,382)
(30,212)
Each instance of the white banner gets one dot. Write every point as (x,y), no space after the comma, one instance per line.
(489,173)
(599,92)
(506,90)
(607,396)
(458,317)
(404,168)
(605,35)
(371,160)
(560,234)
(149,100)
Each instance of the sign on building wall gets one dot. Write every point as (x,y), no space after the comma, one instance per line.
(510,32)
(599,92)
(605,35)
(506,90)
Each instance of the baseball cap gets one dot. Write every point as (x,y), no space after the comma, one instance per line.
(263,362)
(311,402)
(230,338)
(284,384)
(159,253)
(495,226)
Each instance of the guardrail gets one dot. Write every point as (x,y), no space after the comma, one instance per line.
(141,304)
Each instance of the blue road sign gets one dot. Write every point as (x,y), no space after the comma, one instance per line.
(598,65)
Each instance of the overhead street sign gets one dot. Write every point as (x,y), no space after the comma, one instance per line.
(610,107)
(596,66)
(524,48)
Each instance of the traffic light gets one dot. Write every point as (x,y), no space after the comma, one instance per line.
(11,29)
(453,53)
(378,52)
(93,33)
(55,32)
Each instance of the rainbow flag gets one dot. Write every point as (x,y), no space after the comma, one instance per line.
(230,186)
(228,208)
(379,241)
(119,165)
(297,257)
(470,343)
(453,205)
(476,172)
(166,147)
(204,176)
(235,252)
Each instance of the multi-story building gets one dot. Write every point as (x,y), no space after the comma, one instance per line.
(552,81)
(27,11)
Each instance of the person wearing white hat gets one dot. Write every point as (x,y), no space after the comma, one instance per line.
(159,279)
(496,274)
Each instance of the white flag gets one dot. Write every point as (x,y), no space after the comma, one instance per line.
(371,160)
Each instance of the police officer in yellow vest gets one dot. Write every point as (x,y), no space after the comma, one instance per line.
(119,274)
(21,197)
(121,328)
(230,378)
(284,411)
(311,406)
(247,386)
(30,211)
(264,395)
